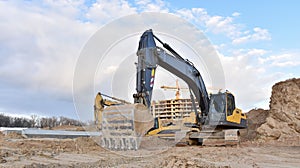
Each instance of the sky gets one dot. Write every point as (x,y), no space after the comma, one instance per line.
(40,41)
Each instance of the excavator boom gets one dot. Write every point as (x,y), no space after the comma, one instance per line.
(150,56)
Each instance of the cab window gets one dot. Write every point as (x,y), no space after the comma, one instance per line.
(217,104)
(230,104)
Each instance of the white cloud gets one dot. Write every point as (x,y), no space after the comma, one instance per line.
(219,24)
(104,11)
(151,6)
(261,34)
(248,79)
(257,35)
(257,52)
(41,47)
(290,59)
(236,14)
(40,42)
(216,24)
(224,25)
(70,8)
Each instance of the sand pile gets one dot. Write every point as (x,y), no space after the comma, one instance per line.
(86,144)
(1,134)
(180,161)
(14,135)
(283,121)
(255,118)
(68,128)
(153,142)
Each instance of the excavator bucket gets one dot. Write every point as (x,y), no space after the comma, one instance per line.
(123,126)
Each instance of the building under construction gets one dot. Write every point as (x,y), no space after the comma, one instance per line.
(172,109)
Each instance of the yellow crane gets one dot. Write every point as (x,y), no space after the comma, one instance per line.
(177,88)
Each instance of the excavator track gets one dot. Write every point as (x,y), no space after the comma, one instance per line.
(123,126)
(226,137)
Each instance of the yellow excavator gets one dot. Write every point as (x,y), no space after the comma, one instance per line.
(123,125)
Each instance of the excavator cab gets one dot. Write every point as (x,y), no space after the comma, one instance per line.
(222,111)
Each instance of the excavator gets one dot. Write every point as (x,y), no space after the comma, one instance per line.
(123,125)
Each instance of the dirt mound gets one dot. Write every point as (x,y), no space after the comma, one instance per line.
(86,144)
(179,161)
(283,122)
(152,142)
(14,135)
(67,128)
(255,118)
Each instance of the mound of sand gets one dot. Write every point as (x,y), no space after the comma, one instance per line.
(67,128)
(283,121)
(181,161)
(255,118)
(14,135)
(1,134)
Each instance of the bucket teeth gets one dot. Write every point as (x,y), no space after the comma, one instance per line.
(123,126)
(120,143)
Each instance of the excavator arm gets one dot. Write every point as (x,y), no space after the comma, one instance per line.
(150,56)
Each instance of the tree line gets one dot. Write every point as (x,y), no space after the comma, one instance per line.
(37,122)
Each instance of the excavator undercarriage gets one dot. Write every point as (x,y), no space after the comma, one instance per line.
(215,137)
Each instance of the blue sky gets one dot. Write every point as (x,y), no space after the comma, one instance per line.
(40,41)
(278,17)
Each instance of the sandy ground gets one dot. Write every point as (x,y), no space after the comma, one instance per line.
(272,139)
(84,152)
